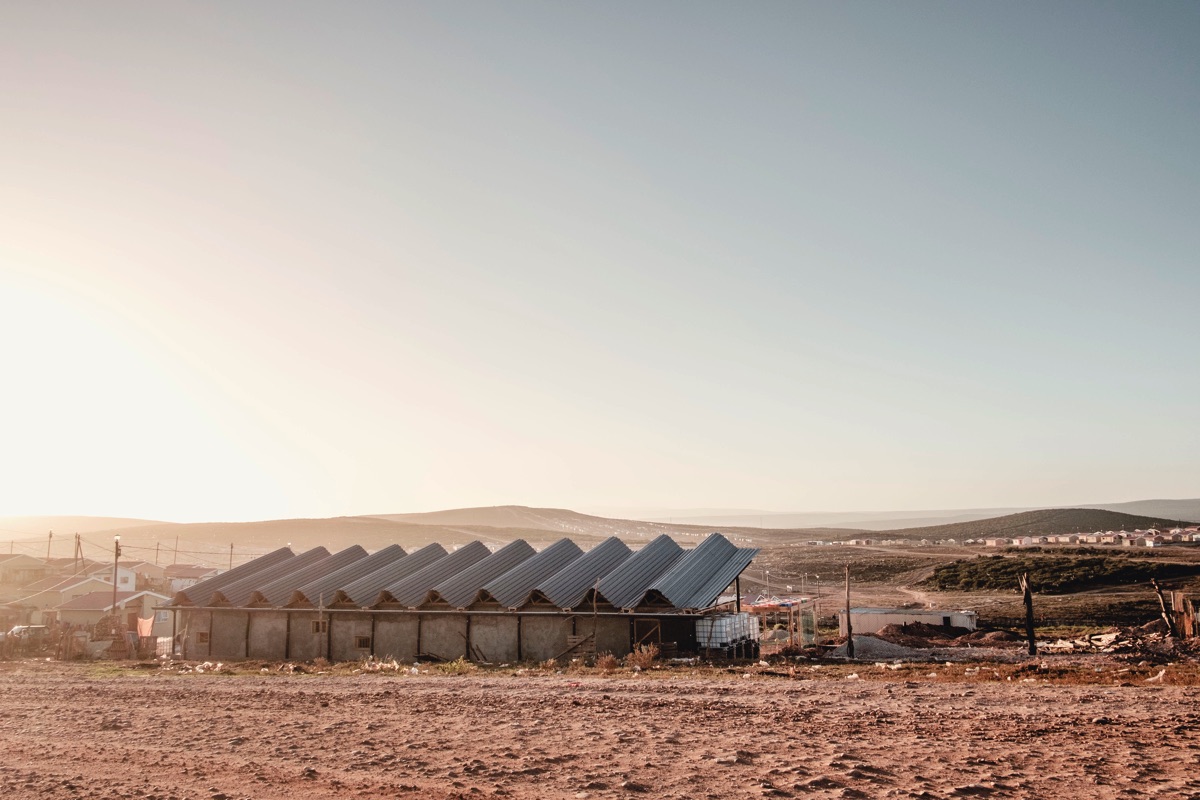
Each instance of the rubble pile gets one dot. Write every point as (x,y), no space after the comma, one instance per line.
(1152,642)
(921,635)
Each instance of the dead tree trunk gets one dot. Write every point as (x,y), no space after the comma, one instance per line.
(1028,598)
(1162,603)
(849,624)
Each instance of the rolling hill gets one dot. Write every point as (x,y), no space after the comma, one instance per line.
(211,542)
(1047,522)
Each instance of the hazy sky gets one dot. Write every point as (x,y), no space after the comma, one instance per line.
(309,259)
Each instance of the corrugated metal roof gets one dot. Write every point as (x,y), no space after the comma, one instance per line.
(512,589)
(365,590)
(238,592)
(202,591)
(279,590)
(698,578)
(321,590)
(461,589)
(660,574)
(568,587)
(413,589)
(625,586)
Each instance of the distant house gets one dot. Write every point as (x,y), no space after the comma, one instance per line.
(126,577)
(183,576)
(148,572)
(89,608)
(18,571)
(999,541)
(37,608)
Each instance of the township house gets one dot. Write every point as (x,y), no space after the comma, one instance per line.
(47,594)
(87,609)
(184,576)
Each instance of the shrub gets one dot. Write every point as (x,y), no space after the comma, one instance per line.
(642,656)
(459,666)
(607,662)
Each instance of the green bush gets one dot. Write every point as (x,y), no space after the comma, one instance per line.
(1051,574)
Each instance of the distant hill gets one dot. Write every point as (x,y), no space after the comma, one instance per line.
(893,520)
(851,520)
(548,519)
(21,527)
(1047,522)
(1187,510)
(209,542)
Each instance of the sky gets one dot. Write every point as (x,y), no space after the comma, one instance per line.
(289,259)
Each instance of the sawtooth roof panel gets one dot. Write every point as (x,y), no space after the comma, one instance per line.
(321,589)
(239,592)
(364,591)
(512,589)
(203,590)
(461,589)
(625,586)
(280,590)
(568,587)
(413,589)
(698,579)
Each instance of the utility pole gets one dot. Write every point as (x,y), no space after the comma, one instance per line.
(231,555)
(49,542)
(817,612)
(175,555)
(116,559)
(156,544)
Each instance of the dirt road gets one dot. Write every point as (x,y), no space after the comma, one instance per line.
(68,732)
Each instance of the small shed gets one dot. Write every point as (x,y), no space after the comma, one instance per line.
(869,620)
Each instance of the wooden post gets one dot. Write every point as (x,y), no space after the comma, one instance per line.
(1162,603)
(1028,598)
(849,624)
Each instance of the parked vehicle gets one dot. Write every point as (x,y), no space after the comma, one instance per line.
(24,639)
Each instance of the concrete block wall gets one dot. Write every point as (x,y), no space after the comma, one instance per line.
(345,630)
(612,633)
(227,639)
(494,638)
(544,636)
(396,636)
(194,627)
(303,644)
(268,635)
(444,635)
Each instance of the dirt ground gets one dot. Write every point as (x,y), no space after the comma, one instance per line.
(83,731)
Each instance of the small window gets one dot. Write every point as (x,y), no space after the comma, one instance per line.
(362,642)
(320,626)
(201,637)
(162,616)
(124,579)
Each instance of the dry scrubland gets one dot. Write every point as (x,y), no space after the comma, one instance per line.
(1078,728)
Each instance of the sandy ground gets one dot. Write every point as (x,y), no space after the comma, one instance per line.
(66,730)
